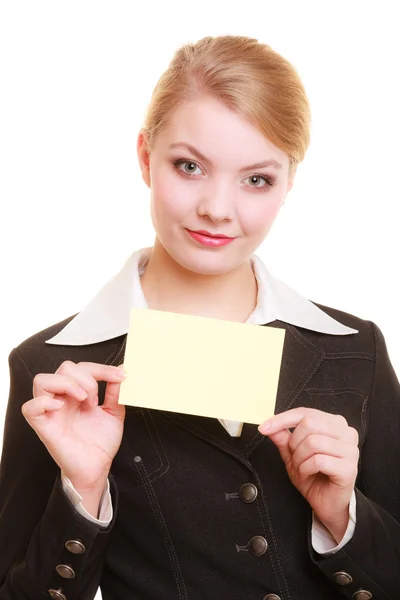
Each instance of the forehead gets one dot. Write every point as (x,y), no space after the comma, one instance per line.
(219,133)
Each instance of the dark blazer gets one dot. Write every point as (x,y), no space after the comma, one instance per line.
(182,528)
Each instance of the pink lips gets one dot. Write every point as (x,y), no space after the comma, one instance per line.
(210,239)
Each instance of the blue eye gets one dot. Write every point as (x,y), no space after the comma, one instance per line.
(189,167)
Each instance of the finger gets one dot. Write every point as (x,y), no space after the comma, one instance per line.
(87,375)
(320,444)
(291,418)
(340,471)
(98,371)
(48,384)
(102,372)
(38,407)
(281,441)
(326,424)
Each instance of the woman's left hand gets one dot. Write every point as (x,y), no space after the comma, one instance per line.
(321,458)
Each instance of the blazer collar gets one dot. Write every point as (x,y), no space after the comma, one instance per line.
(107,315)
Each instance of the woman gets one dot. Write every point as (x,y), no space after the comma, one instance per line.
(152,504)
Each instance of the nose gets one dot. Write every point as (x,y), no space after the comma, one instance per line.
(217,203)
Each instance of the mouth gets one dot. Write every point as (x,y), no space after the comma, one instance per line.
(211,235)
(206,238)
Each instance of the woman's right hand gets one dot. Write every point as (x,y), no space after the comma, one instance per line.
(81,436)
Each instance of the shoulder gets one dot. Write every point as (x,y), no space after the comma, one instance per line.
(362,343)
(40,357)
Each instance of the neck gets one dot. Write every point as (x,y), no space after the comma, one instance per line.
(170,287)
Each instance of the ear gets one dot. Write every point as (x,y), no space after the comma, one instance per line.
(144,157)
(290,183)
(289,187)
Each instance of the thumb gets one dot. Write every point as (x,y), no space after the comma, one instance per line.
(281,441)
(111,397)
(110,403)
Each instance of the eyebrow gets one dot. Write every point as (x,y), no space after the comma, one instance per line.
(200,156)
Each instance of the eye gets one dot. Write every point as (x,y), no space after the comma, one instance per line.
(260,181)
(188,167)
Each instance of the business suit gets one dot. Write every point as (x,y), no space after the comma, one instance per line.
(172,540)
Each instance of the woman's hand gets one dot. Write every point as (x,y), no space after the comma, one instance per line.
(81,436)
(321,458)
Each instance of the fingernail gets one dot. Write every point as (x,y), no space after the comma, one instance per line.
(264,427)
(82,395)
(120,374)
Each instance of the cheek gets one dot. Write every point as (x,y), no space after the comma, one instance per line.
(169,196)
(261,212)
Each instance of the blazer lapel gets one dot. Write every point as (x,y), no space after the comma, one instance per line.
(300,361)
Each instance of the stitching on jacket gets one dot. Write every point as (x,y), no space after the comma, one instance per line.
(364,414)
(150,495)
(161,444)
(308,374)
(118,352)
(256,441)
(23,361)
(164,529)
(110,358)
(114,353)
(305,342)
(361,355)
(377,347)
(334,390)
(265,503)
(356,391)
(152,439)
(159,439)
(167,463)
(319,359)
(155,478)
(330,355)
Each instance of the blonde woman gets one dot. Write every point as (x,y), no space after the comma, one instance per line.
(150,504)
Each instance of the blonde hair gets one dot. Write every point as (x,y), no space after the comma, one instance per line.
(248,77)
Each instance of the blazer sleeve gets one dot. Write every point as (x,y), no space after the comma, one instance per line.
(370,561)
(45,544)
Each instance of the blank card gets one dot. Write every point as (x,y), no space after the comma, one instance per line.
(201,366)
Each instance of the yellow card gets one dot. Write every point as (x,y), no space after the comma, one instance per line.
(201,366)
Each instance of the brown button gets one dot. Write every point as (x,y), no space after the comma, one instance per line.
(362,595)
(271,597)
(65,571)
(342,578)
(75,547)
(57,595)
(248,493)
(258,545)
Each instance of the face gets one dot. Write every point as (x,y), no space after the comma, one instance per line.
(208,172)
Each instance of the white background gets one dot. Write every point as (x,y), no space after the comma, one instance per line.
(75,79)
